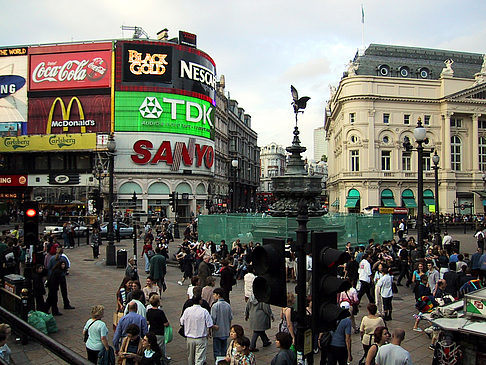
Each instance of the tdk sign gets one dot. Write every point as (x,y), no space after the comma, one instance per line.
(196,72)
(10,84)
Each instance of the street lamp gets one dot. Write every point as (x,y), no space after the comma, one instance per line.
(234,164)
(435,160)
(134,202)
(110,248)
(419,133)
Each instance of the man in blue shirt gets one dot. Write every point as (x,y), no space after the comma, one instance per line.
(222,316)
(339,351)
(129,318)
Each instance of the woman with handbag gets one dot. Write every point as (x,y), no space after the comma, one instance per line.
(351,296)
(368,325)
(95,333)
(286,325)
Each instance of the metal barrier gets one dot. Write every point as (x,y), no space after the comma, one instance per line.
(55,347)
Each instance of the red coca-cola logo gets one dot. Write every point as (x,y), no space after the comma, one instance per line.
(70,70)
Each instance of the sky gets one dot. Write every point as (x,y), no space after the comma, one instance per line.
(261,47)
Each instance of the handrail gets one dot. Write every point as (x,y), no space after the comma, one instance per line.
(55,347)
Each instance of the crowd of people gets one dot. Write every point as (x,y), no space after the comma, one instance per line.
(210,271)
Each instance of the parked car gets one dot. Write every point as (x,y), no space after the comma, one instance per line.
(125,230)
(79,230)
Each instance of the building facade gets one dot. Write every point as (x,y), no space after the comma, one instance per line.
(375,109)
(273,163)
(160,101)
(320,143)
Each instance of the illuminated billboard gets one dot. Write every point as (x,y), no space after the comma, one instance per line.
(69,114)
(52,142)
(165,67)
(70,70)
(13,86)
(163,112)
(163,153)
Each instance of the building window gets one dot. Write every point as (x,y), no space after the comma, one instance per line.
(406,119)
(482,124)
(455,153)
(427,161)
(386,118)
(352,117)
(355,160)
(406,161)
(482,153)
(385,160)
(456,122)
(426,119)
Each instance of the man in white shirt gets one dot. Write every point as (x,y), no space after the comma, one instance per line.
(446,242)
(364,273)
(393,353)
(248,279)
(196,321)
(401,229)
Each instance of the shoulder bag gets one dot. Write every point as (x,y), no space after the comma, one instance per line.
(86,334)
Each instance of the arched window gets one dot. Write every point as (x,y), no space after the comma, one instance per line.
(482,153)
(456,153)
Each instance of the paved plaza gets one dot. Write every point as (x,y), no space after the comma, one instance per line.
(91,282)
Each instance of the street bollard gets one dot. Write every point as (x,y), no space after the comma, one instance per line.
(87,235)
(24,312)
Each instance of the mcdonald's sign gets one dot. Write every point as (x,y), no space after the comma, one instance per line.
(69,114)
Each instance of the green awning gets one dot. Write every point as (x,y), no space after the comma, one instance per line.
(407,193)
(429,201)
(409,202)
(351,202)
(484,202)
(336,203)
(388,202)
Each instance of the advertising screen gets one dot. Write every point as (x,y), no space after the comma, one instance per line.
(13,88)
(165,153)
(165,67)
(72,70)
(163,112)
(69,114)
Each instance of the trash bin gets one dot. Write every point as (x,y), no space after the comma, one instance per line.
(14,283)
(455,246)
(121,259)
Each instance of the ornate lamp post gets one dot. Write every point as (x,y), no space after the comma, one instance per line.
(435,160)
(110,248)
(134,203)
(420,137)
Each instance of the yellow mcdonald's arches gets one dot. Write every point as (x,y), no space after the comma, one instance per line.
(66,113)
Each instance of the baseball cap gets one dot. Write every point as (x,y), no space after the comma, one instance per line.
(345,305)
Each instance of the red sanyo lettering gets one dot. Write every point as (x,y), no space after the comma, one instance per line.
(164,153)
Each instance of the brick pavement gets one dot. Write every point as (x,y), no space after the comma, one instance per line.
(92,282)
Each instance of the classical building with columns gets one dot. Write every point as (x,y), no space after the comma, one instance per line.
(375,108)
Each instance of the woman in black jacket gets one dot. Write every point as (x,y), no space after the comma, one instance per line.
(39,289)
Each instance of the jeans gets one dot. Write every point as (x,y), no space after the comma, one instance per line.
(147,262)
(219,346)
(255,336)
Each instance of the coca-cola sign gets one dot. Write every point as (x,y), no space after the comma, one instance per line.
(70,70)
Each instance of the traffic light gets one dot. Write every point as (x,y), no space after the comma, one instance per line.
(325,283)
(31,223)
(269,264)
(172,202)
